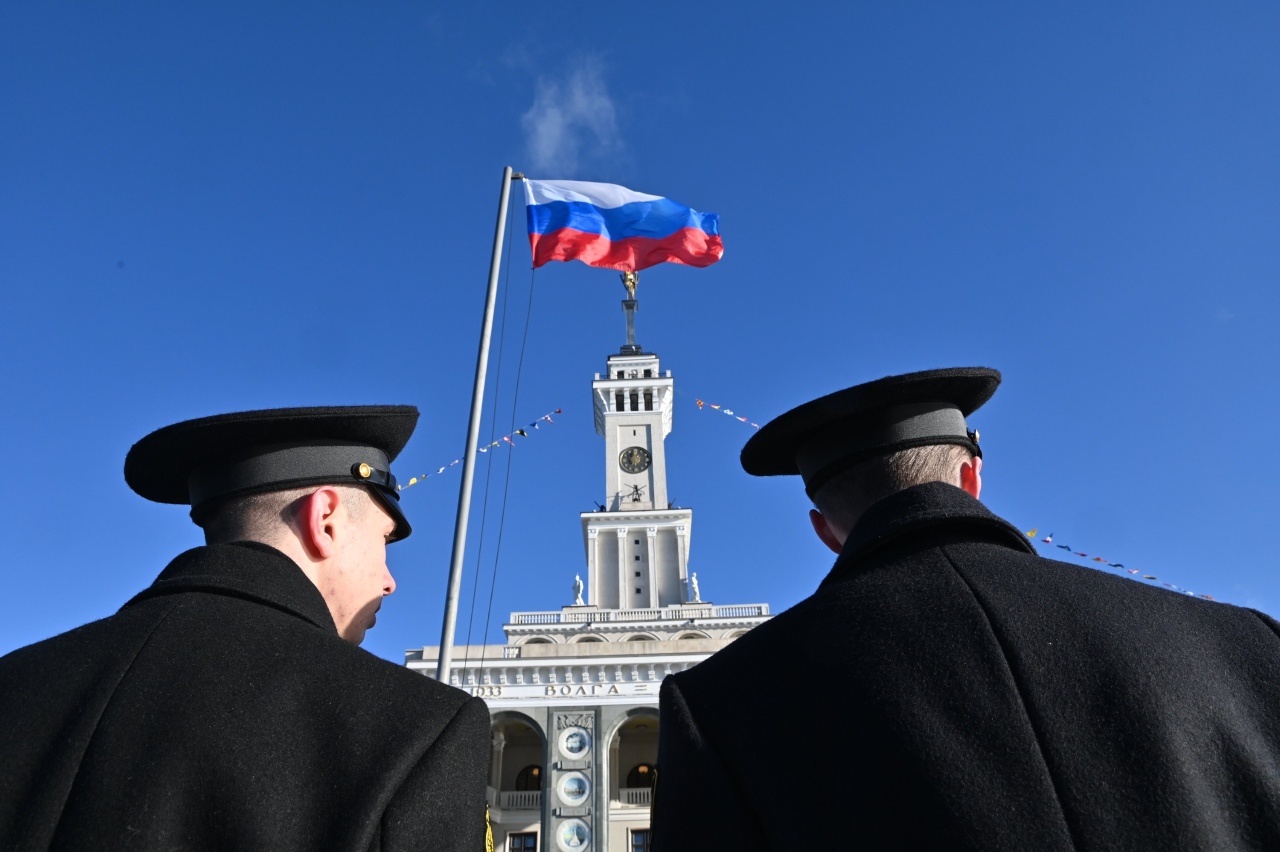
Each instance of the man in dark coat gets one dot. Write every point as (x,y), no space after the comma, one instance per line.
(946,688)
(228,705)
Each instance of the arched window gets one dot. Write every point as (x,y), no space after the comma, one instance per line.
(640,638)
(587,639)
(537,640)
(529,778)
(640,776)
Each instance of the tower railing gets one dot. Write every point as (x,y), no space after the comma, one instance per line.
(671,613)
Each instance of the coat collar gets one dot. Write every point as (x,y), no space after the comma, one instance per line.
(244,569)
(918,510)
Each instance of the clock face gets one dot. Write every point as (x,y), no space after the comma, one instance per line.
(634,460)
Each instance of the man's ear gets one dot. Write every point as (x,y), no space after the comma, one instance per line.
(971,477)
(824,531)
(316,522)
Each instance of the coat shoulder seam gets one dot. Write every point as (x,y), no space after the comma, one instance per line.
(106,704)
(1026,713)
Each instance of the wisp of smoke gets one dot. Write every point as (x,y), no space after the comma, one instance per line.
(570,117)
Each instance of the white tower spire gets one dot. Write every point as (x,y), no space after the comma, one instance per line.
(638,546)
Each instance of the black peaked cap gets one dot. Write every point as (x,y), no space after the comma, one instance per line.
(864,418)
(211,458)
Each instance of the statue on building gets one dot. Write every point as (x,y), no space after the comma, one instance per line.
(577,591)
(697,595)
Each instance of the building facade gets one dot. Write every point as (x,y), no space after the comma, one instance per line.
(573,693)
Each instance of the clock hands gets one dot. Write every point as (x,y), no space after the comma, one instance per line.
(634,459)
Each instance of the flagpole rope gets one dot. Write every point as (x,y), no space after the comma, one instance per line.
(506,486)
(493,427)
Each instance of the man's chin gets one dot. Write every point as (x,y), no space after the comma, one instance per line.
(354,634)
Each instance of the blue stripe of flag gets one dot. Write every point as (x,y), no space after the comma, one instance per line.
(653,219)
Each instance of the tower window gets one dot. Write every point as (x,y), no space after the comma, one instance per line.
(635,400)
(637,541)
(621,374)
(637,591)
(648,400)
(637,557)
(617,401)
(527,841)
(637,573)
(648,374)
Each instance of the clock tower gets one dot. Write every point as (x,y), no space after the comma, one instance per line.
(573,692)
(637,544)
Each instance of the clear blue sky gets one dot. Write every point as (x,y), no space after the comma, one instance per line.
(214,207)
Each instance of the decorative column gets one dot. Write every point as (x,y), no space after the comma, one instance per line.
(682,548)
(651,536)
(499,743)
(615,773)
(624,571)
(593,596)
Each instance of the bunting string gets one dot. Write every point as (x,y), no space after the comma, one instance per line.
(505,439)
(1132,573)
(727,411)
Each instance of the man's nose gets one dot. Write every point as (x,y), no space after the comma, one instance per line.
(389,585)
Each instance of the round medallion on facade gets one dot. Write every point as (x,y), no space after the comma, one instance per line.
(574,835)
(574,788)
(634,460)
(575,743)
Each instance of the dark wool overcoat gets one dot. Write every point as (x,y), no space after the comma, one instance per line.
(219,709)
(946,688)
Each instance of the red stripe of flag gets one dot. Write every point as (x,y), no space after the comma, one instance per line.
(689,246)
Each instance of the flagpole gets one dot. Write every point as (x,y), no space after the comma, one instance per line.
(445,662)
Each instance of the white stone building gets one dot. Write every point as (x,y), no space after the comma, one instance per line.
(574,693)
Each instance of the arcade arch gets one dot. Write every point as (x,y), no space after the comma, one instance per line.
(633,752)
(517,752)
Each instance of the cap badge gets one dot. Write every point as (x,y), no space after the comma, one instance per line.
(363,471)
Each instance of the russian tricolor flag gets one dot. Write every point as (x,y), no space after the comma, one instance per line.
(610,226)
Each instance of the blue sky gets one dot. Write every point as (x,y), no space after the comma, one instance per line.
(216,207)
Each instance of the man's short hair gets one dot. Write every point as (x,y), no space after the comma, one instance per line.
(263,517)
(848,494)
